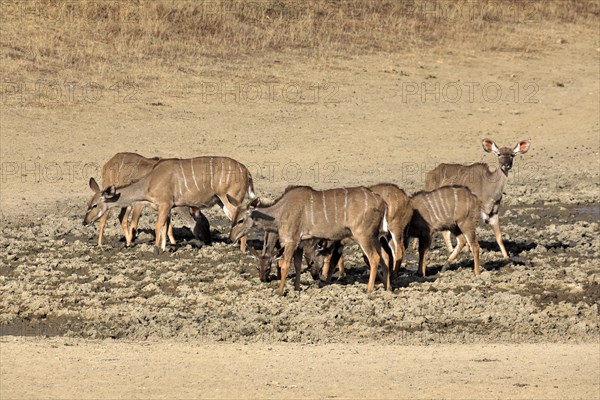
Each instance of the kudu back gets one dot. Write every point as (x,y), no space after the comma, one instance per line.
(486,183)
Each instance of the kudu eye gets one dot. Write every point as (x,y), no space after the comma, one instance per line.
(240,221)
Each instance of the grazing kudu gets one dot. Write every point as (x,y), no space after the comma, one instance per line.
(303,213)
(194,182)
(453,208)
(487,184)
(315,252)
(125,168)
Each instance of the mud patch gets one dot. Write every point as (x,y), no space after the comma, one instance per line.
(55,280)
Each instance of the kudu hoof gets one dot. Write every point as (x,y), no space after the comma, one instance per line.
(156,251)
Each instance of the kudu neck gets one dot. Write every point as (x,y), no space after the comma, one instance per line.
(272,211)
(136,191)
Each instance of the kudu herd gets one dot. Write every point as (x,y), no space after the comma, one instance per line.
(304,222)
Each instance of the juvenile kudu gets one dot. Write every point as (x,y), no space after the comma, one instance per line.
(194,182)
(486,183)
(125,168)
(453,208)
(303,213)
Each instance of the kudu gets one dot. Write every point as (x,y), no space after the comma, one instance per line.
(486,183)
(303,213)
(194,182)
(398,215)
(453,208)
(125,168)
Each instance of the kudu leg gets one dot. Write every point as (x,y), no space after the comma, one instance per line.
(424,243)
(327,271)
(161,221)
(297,268)
(448,240)
(231,211)
(468,231)
(135,218)
(495,223)
(340,265)
(460,243)
(103,219)
(124,220)
(474,244)
(170,232)
(370,246)
(288,254)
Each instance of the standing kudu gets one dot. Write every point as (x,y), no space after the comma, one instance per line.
(194,182)
(453,208)
(303,213)
(487,184)
(399,213)
(123,169)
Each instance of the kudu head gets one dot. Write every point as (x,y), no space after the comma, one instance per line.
(505,154)
(244,218)
(99,204)
(265,262)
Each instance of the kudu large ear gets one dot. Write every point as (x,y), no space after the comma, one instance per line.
(254,252)
(279,254)
(254,203)
(94,185)
(233,201)
(522,147)
(110,193)
(259,215)
(489,146)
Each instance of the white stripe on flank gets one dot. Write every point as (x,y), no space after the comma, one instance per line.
(345,204)
(455,202)
(194,173)
(120,166)
(335,210)
(183,175)
(179,188)
(312,209)
(222,171)
(442,203)
(325,207)
(134,168)
(366,205)
(211,172)
(430,209)
(436,209)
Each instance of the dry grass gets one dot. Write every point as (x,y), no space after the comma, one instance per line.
(126,40)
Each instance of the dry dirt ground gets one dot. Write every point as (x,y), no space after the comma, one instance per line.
(116,322)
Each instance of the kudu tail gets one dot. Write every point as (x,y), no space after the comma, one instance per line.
(251,193)
(384,222)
